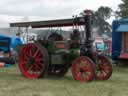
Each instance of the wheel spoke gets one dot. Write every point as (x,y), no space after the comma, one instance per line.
(30,68)
(85,76)
(101,76)
(82,75)
(30,52)
(26,65)
(36,53)
(98,73)
(26,56)
(39,66)
(107,67)
(39,59)
(105,73)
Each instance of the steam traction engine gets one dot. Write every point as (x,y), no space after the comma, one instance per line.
(54,55)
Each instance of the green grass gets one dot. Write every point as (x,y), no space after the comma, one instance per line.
(12,83)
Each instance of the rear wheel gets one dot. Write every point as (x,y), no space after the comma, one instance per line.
(103,68)
(33,60)
(83,69)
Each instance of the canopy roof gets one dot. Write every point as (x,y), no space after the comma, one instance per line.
(50,23)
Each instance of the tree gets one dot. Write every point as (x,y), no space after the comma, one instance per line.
(123,12)
(100,17)
(104,12)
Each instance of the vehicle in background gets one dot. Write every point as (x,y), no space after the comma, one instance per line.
(120,40)
(7,46)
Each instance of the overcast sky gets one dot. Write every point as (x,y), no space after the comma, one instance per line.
(19,10)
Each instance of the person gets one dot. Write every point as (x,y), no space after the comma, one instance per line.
(75,35)
(55,37)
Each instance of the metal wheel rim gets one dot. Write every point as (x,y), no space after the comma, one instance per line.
(31,70)
(88,69)
(103,68)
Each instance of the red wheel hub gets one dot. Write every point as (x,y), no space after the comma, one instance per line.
(31,61)
(83,69)
(103,68)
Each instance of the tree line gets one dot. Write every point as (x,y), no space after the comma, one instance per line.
(102,14)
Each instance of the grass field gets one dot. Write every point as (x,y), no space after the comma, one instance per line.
(12,83)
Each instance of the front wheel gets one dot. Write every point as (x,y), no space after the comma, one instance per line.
(83,69)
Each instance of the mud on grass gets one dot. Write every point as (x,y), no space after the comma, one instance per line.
(12,83)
